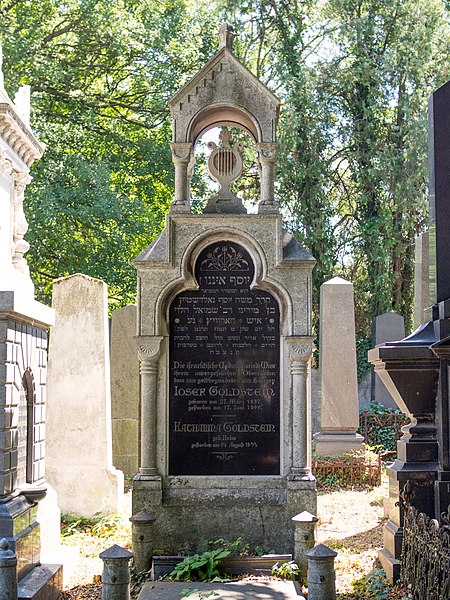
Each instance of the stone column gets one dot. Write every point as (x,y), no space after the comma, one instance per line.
(148,350)
(181,156)
(20,225)
(268,156)
(300,350)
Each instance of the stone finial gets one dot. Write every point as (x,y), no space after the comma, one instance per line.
(226,35)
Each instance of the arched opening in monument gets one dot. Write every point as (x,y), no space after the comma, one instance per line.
(224,370)
(203,185)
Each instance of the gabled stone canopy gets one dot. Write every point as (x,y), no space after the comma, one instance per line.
(224,92)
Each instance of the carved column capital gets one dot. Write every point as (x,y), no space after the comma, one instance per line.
(267,156)
(148,347)
(300,348)
(181,152)
(268,152)
(21,180)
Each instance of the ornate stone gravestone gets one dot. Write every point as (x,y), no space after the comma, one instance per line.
(24,322)
(224,322)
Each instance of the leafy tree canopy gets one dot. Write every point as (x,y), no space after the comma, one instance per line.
(354,76)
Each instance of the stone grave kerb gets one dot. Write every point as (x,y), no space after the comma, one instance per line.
(214,289)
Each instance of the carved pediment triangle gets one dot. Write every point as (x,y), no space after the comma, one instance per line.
(205,78)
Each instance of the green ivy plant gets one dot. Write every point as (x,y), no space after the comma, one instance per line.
(200,567)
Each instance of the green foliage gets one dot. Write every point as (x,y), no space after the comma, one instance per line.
(98,525)
(100,75)
(363,345)
(235,547)
(372,587)
(287,570)
(383,427)
(354,79)
(200,567)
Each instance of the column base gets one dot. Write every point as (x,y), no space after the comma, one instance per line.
(268,208)
(331,444)
(180,207)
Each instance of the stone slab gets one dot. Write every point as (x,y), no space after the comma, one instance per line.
(42,583)
(79,401)
(339,414)
(234,590)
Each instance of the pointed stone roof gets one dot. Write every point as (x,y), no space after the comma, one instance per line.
(224,92)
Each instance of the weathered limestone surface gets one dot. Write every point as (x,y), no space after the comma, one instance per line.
(339,418)
(421,279)
(125,390)
(387,327)
(79,449)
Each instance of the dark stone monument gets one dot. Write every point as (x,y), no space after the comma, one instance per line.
(415,370)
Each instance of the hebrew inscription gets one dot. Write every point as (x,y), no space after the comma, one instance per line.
(224,385)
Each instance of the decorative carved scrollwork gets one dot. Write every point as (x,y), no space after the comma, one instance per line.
(300,349)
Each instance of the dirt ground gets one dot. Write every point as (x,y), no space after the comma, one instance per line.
(350,522)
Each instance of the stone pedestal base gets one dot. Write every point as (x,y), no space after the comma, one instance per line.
(331,444)
(390,565)
(45,582)
(189,510)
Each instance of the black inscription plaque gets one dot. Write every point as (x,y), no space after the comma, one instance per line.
(224,382)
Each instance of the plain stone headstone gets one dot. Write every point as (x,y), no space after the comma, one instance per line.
(421,279)
(79,448)
(387,327)
(125,390)
(339,414)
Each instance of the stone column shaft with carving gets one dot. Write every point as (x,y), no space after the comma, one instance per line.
(20,225)
(268,156)
(148,350)
(300,351)
(181,156)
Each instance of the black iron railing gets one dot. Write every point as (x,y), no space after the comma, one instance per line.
(425,561)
